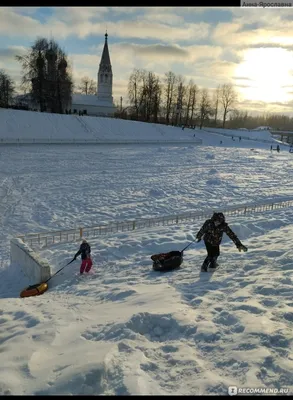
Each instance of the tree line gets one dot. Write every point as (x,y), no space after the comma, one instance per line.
(7,89)
(242,119)
(170,100)
(46,78)
(173,101)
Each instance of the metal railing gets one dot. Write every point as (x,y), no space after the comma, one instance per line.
(45,239)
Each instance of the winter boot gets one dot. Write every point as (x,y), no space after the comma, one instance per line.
(205,264)
(213,263)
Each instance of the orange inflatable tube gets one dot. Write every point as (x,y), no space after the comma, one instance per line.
(34,290)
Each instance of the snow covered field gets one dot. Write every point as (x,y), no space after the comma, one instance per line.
(125,329)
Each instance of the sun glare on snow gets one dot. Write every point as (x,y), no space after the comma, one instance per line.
(269,73)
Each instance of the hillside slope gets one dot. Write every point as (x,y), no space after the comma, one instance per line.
(24,126)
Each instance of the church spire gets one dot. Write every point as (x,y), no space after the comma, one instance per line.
(105,60)
(105,75)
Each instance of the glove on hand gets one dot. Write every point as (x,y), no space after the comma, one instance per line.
(241,247)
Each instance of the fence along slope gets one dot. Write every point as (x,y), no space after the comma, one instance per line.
(44,239)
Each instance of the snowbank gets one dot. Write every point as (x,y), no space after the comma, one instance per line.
(32,265)
(34,127)
(261,135)
(29,127)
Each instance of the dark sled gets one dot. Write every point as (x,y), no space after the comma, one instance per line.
(164,262)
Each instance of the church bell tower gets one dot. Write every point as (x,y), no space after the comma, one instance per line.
(105,75)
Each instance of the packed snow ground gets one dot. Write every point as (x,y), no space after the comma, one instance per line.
(125,329)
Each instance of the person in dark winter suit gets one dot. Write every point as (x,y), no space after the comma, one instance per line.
(86,261)
(212,231)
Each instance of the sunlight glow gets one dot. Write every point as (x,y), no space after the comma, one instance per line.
(269,75)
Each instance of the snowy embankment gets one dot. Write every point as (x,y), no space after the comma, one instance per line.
(33,127)
(29,126)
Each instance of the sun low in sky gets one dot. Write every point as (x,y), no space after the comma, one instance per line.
(269,75)
(249,47)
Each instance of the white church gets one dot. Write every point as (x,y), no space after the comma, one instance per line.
(102,103)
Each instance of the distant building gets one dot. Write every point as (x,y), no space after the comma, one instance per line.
(102,103)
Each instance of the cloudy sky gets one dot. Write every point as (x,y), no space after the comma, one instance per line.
(251,48)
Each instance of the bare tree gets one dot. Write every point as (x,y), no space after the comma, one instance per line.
(149,96)
(216,99)
(134,84)
(144,92)
(193,102)
(228,99)
(205,108)
(169,90)
(144,96)
(188,93)
(191,93)
(7,89)
(87,86)
(180,99)
(157,94)
(46,75)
